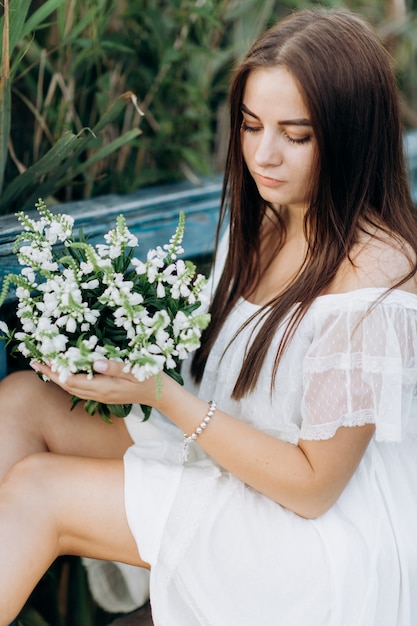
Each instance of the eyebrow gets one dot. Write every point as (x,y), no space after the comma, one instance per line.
(295,122)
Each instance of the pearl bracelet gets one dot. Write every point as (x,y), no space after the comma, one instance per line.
(190,438)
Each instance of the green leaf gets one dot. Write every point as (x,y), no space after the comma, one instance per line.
(18,10)
(62,158)
(110,115)
(146,410)
(74,34)
(105,151)
(40,15)
(59,171)
(103,412)
(74,401)
(42,167)
(119,410)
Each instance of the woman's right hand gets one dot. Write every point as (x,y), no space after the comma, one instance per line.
(110,385)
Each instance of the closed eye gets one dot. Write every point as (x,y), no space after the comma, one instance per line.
(246,128)
(249,129)
(299,141)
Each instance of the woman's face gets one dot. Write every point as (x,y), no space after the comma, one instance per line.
(277,137)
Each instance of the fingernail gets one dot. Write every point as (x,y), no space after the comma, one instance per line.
(34,366)
(100,366)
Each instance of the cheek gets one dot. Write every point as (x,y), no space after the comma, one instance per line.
(249,146)
(308,175)
(244,147)
(306,165)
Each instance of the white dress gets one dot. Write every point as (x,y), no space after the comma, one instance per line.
(221,553)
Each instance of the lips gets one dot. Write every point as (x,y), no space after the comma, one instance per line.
(268,182)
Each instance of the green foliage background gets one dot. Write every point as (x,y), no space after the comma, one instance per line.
(68,120)
(73,78)
(74,73)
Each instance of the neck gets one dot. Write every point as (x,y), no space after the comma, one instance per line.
(293,218)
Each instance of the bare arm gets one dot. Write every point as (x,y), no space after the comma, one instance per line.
(307,478)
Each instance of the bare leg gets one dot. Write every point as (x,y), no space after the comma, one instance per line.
(36,417)
(52,505)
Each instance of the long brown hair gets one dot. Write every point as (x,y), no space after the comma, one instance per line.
(349,89)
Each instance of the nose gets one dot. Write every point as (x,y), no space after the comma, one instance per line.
(269,150)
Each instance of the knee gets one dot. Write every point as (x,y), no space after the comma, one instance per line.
(28,503)
(19,383)
(18,389)
(20,394)
(26,479)
(26,490)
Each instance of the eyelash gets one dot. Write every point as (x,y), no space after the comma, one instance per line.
(254,129)
(298,141)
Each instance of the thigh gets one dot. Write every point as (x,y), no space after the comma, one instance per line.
(86,498)
(36,416)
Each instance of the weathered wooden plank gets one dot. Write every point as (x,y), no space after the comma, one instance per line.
(151,214)
(150,208)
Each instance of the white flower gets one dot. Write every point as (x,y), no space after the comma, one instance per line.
(91,284)
(71,325)
(155,260)
(100,301)
(28,325)
(160,290)
(22,293)
(59,229)
(147,365)
(159,320)
(180,322)
(4,328)
(24,350)
(170,363)
(91,316)
(102,250)
(86,268)
(120,238)
(51,345)
(30,275)
(91,342)
(115,251)
(140,266)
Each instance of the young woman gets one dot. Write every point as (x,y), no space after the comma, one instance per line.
(298,502)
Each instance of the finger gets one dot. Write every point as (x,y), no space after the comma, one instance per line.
(106,388)
(113,369)
(108,367)
(110,385)
(75,384)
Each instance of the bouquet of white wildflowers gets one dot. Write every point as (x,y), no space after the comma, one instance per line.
(78,303)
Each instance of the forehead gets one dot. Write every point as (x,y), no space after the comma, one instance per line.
(275,91)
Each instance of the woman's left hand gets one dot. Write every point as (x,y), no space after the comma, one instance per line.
(111,385)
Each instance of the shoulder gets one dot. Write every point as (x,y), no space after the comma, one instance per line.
(378,260)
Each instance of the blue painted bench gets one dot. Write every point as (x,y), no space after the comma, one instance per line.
(151,214)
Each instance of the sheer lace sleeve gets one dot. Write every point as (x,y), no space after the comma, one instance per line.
(362,368)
